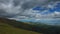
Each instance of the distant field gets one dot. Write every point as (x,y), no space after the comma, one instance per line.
(7,29)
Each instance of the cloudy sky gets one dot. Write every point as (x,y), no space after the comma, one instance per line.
(30,9)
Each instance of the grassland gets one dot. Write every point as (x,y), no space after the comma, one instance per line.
(8,26)
(8,29)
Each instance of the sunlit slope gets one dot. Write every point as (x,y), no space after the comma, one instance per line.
(8,29)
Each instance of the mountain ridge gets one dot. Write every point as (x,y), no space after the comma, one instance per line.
(5,28)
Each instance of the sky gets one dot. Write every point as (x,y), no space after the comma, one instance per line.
(30,9)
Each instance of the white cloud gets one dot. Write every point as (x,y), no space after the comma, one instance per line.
(20,13)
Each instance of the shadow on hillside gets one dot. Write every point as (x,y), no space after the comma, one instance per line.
(41,29)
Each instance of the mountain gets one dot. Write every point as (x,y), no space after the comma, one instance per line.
(7,28)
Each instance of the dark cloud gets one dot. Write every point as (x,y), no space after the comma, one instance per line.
(26,4)
(55,0)
(33,3)
(4,1)
(3,13)
(16,2)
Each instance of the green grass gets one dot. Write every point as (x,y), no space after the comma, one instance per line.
(8,29)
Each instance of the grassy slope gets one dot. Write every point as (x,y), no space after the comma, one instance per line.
(7,29)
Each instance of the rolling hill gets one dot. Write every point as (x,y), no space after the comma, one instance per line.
(8,26)
(9,29)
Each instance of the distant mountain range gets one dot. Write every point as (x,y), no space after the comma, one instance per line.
(45,21)
(23,26)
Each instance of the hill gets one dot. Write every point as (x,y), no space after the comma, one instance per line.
(5,28)
(14,26)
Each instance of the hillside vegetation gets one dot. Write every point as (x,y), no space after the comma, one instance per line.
(29,27)
(9,29)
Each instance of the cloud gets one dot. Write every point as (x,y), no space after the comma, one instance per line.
(22,9)
(32,3)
